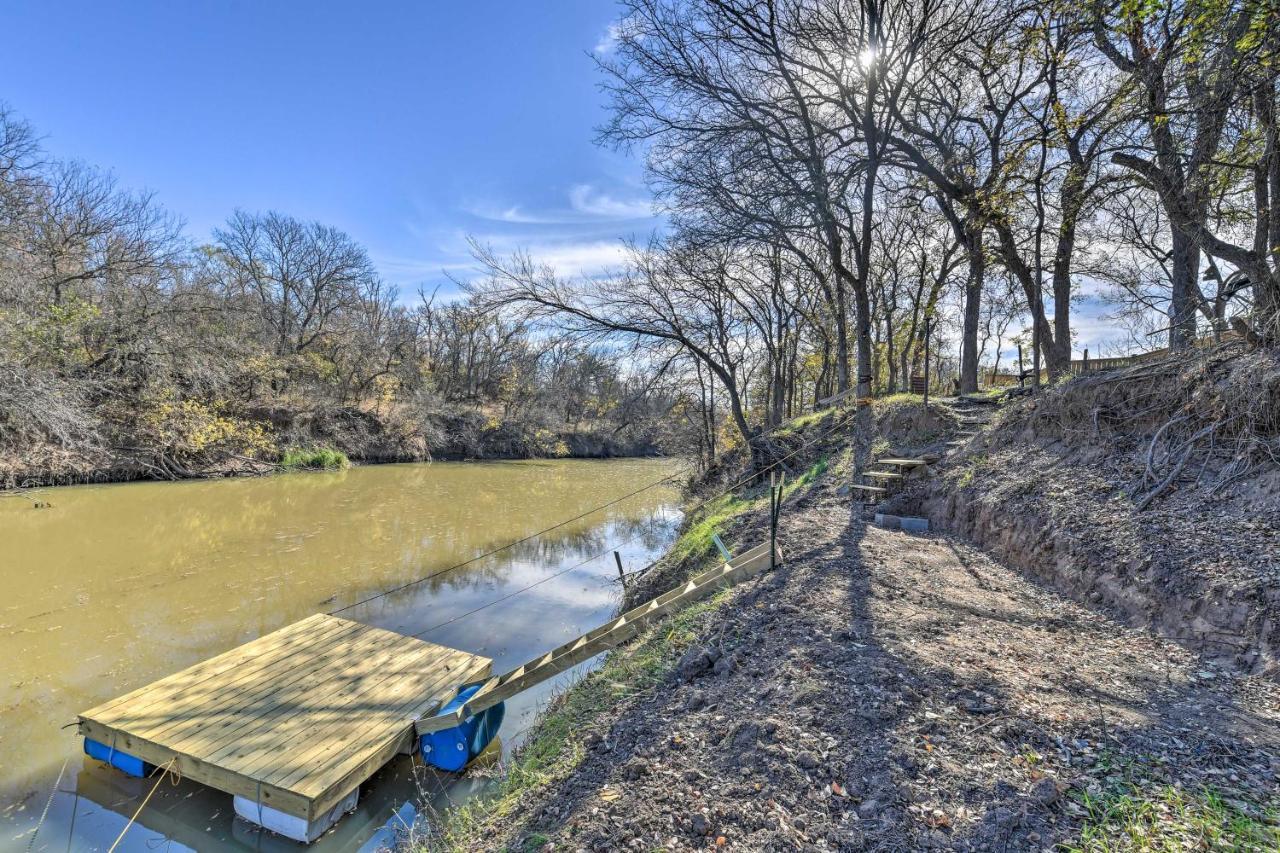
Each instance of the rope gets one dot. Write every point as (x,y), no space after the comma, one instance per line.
(49,802)
(525,589)
(142,806)
(613,547)
(583,515)
(512,544)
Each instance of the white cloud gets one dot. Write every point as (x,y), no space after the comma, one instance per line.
(608,40)
(585,200)
(513,214)
(587,204)
(580,259)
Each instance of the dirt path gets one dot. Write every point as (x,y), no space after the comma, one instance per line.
(893,692)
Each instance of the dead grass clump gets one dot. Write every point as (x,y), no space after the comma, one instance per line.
(1214,414)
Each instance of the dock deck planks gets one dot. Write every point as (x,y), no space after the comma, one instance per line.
(295,719)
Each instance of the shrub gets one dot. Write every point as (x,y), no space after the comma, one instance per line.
(298,458)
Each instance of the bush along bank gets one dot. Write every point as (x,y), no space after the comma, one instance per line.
(181,440)
(882,691)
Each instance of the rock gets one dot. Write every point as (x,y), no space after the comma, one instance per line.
(694,701)
(725,665)
(1045,792)
(635,769)
(699,825)
(868,809)
(694,663)
(807,760)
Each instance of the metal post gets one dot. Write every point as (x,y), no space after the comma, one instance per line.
(775,510)
(622,576)
(928,328)
(1021,374)
(1085,369)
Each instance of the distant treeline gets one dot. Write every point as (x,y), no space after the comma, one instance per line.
(128,350)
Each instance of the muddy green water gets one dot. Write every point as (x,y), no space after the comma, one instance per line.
(113,586)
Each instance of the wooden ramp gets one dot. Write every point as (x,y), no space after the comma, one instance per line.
(294,720)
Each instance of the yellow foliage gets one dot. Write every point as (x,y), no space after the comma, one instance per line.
(194,427)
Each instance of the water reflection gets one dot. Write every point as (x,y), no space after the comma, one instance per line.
(118,585)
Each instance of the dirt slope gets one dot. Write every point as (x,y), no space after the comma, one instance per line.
(889,692)
(1153,491)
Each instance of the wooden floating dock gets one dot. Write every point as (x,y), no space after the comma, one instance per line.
(295,720)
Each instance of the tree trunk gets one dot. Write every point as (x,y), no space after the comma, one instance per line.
(972,310)
(1182,302)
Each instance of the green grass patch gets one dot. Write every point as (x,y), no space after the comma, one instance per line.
(314,458)
(901,399)
(1168,819)
(712,521)
(800,422)
(807,478)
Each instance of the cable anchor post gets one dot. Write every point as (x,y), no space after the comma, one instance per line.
(775,510)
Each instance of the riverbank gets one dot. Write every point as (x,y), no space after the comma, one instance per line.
(886,691)
(257,441)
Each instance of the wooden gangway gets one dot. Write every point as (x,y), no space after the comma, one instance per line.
(612,633)
(295,720)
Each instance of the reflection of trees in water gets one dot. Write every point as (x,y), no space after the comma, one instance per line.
(647,533)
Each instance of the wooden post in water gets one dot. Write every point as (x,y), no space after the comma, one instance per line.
(622,576)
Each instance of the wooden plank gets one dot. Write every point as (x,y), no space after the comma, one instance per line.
(162,725)
(883,475)
(231,730)
(328,762)
(902,463)
(209,689)
(356,772)
(181,680)
(862,487)
(602,638)
(191,767)
(303,745)
(324,702)
(359,682)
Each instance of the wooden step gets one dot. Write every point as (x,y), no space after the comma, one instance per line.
(902,463)
(865,488)
(882,475)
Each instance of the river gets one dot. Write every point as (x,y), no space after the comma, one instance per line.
(110,587)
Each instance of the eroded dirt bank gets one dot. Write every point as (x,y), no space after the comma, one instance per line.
(892,692)
(1153,491)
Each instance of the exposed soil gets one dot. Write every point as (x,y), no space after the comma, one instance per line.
(893,692)
(1154,492)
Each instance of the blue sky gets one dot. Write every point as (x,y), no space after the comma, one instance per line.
(410,125)
(407,124)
